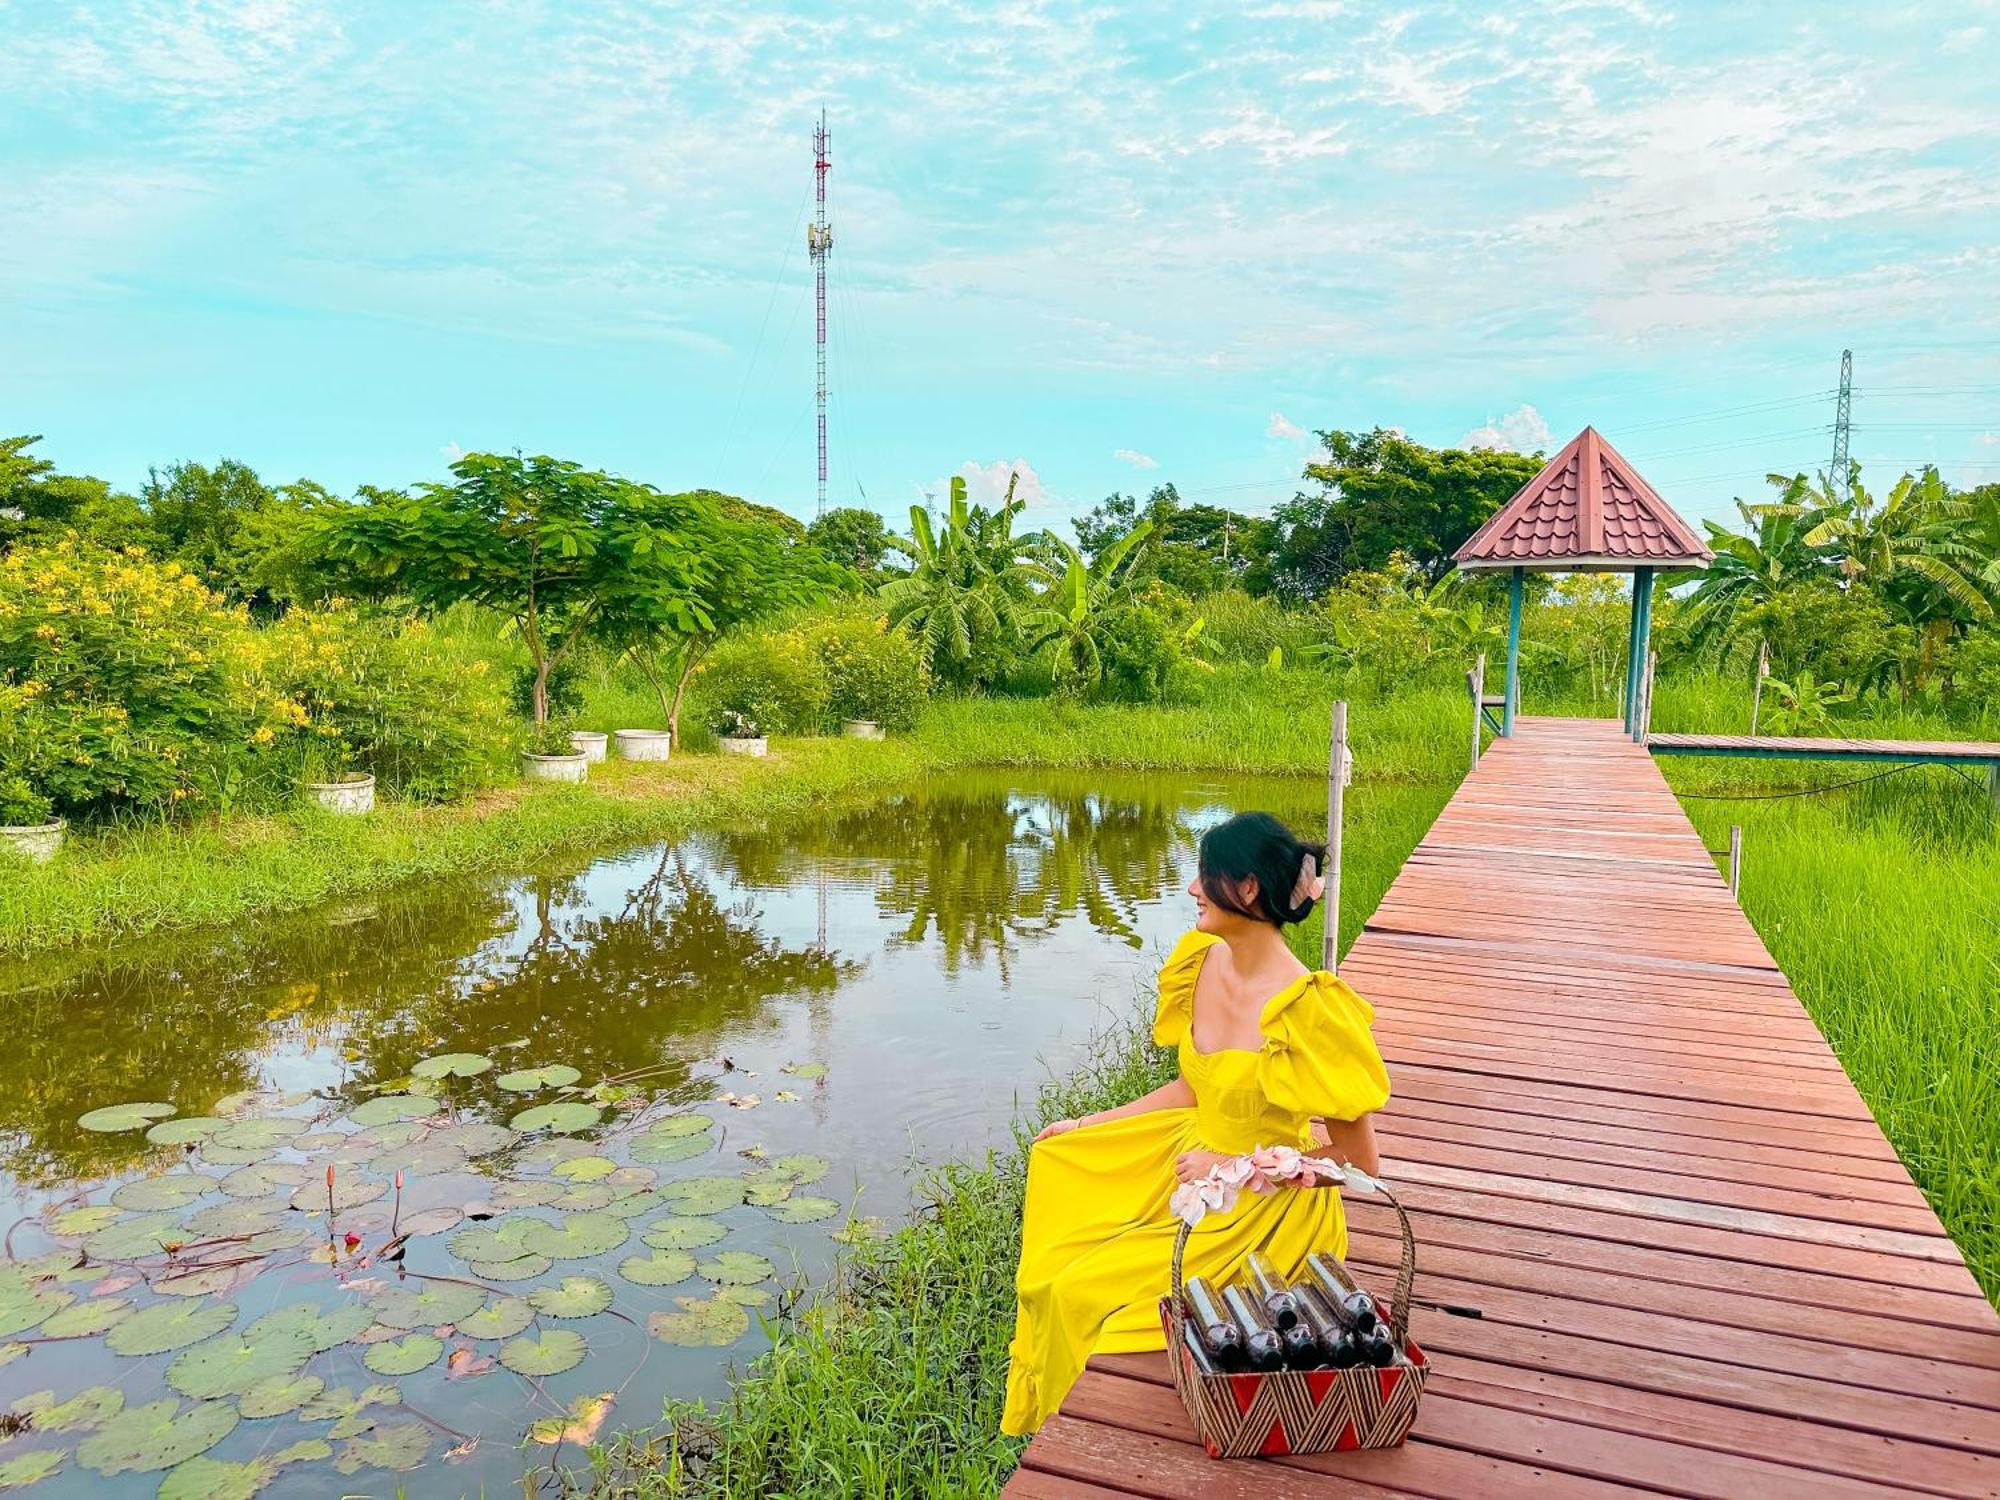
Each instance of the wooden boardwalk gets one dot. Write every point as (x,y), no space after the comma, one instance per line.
(1702,1270)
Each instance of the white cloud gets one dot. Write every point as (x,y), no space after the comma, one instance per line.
(1522,430)
(1988,439)
(1282,426)
(986,484)
(1135,458)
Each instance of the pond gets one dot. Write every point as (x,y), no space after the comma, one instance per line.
(418,1189)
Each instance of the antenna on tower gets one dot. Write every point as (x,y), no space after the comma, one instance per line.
(1839,477)
(819,243)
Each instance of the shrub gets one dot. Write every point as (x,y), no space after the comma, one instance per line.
(1139,651)
(775,679)
(335,690)
(871,671)
(1837,635)
(1238,627)
(121,695)
(21,806)
(565,689)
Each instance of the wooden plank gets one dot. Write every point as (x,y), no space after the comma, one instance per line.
(1700,1267)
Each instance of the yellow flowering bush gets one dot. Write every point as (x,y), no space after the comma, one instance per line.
(115,691)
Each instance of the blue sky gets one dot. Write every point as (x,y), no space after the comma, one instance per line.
(1114,244)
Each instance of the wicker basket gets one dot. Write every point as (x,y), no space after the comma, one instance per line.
(1264,1414)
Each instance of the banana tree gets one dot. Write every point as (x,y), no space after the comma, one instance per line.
(961,600)
(1078,604)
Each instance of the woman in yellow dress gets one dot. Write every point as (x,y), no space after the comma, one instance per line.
(1266,1047)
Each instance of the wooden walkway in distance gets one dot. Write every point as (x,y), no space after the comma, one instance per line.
(1702,1270)
(1819,747)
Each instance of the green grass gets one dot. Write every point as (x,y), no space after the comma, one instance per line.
(891,1382)
(1882,905)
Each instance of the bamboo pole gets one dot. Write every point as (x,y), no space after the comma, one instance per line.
(1757,692)
(1735,859)
(1336,779)
(1476,681)
(1646,696)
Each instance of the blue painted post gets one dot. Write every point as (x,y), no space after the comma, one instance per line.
(1635,655)
(1508,709)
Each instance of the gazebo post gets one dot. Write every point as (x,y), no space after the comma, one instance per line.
(1635,655)
(1515,585)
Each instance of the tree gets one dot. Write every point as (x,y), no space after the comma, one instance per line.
(1197,549)
(850,535)
(39,505)
(560,549)
(751,566)
(1079,608)
(1381,494)
(962,598)
(1751,566)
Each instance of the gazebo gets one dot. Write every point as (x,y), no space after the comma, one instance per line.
(1588,511)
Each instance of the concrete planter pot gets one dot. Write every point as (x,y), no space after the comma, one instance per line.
(350,796)
(35,842)
(555,767)
(590,744)
(643,744)
(861,729)
(733,746)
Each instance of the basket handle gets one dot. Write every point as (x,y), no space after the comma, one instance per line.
(1399,1310)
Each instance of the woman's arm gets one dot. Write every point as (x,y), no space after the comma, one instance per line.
(1352,1141)
(1175,1095)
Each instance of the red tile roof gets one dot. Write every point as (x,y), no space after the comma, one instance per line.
(1587,508)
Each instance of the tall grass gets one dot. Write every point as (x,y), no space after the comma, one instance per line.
(1882,905)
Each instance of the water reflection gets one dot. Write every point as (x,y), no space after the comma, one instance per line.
(937,950)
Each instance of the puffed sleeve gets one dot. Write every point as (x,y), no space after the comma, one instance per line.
(1177,979)
(1319,1056)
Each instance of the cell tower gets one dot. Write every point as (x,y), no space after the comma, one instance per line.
(819,244)
(1837,477)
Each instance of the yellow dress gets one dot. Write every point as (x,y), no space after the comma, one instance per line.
(1097,1236)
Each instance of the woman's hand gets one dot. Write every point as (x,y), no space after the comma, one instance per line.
(1191,1165)
(1057,1127)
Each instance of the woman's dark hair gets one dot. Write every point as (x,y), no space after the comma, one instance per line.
(1257,844)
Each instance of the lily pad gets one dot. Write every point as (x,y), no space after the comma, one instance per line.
(577,1236)
(157,1435)
(527,1080)
(684,1234)
(766,1194)
(131,1238)
(261,1179)
(400,1448)
(429,1221)
(661,1268)
(550,1150)
(501,1318)
(116,1117)
(87,1319)
(24,1304)
(804,1209)
(206,1478)
(572,1297)
(278,1394)
(491,1242)
(659,1150)
(564,1117)
(230,1364)
(744,1296)
(86,1220)
(737,1268)
(634,1204)
(169,1325)
(184,1131)
(426,1306)
(800,1168)
(805,1069)
(420,1159)
(348,1411)
(532,1193)
(228,1220)
(322,1328)
(476,1138)
(679,1125)
(524,1268)
(586,1415)
(404,1356)
(704,1195)
(583,1197)
(551,1353)
(254,1135)
(187,1280)
(387,1109)
(349,1191)
(87,1408)
(24,1469)
(584,1168)
(452,1065)
(703,1323)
